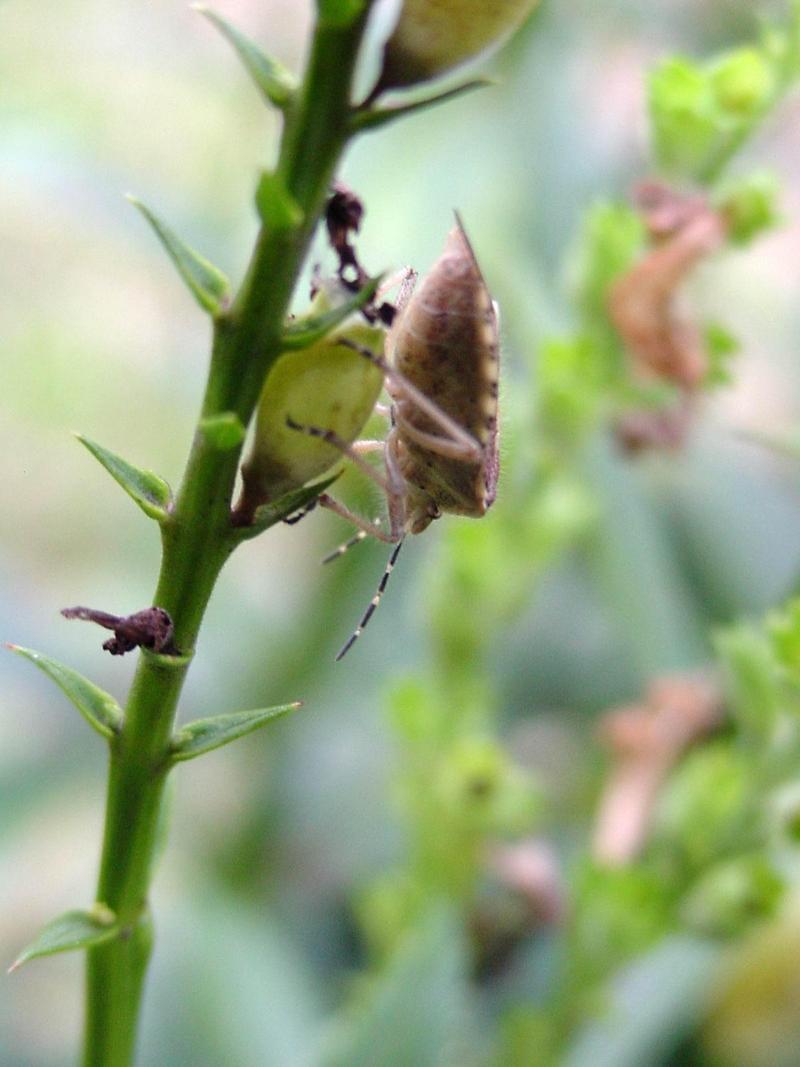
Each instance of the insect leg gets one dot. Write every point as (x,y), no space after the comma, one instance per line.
(406,279)
(301,514)
(369,529)
(347,545)
(448,447)
(470,449)
(337,442)
(372,604)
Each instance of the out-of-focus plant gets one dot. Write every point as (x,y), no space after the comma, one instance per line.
(707,863)
(260,361)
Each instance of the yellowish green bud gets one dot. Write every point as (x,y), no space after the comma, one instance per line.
(432,36)
(742,81)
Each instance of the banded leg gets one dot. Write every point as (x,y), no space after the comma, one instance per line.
(352,453)
(457,443)
(291,520)
(347,545)
(373,604)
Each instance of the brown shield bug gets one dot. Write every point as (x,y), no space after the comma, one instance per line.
(441,452)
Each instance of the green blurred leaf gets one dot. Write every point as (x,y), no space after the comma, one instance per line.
(99,708)
(277,208)
(277,85)
(729,896)
(374,117)
(611,237)
(416,1008)
(205,735)
(72,930)
(750,205)
(208,285)
(654,1003)
(145,488)
(268,514)
(683,115)
(307,330)
(225,431)
(752,679)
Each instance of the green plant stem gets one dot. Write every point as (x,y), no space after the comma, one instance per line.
(197,539)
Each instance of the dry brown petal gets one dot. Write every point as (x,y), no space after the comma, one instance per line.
(646,740)
(643,303)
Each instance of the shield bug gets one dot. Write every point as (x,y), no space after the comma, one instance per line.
(441,452)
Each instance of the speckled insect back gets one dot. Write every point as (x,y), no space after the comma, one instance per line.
(446,344)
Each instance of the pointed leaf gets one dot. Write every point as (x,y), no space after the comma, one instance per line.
(277,510)
(225,431)
(277,208)
(204,735)
(99,708)
(372,118)
(72,930)
(306,331)
(277,85)
(208,285)
(145,488)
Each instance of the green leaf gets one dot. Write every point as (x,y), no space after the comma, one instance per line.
(306,331)
(277,85)
(72,930)
(277,510)
(372,118)
(416,1009)
(205,735)
(641,1026)
(99,708)
(208,285)
(277,208)
(224,431)
(145,488)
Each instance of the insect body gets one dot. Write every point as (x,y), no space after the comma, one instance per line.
(446,346)
(441,453)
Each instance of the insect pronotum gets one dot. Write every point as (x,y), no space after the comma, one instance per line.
(441,452)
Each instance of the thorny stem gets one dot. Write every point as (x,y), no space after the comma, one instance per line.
(197,540)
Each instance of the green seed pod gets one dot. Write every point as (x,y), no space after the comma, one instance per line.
(327,385)
(431,36)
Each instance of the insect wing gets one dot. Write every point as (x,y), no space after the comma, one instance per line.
(447,345)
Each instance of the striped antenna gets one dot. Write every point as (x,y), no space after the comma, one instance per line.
(372,604)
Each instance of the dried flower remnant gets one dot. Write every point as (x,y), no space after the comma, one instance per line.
(344,211)
(150,628)
(343,214)
(645,741)
(643,303)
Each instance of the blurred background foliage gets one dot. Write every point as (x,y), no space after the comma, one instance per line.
(411,871)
